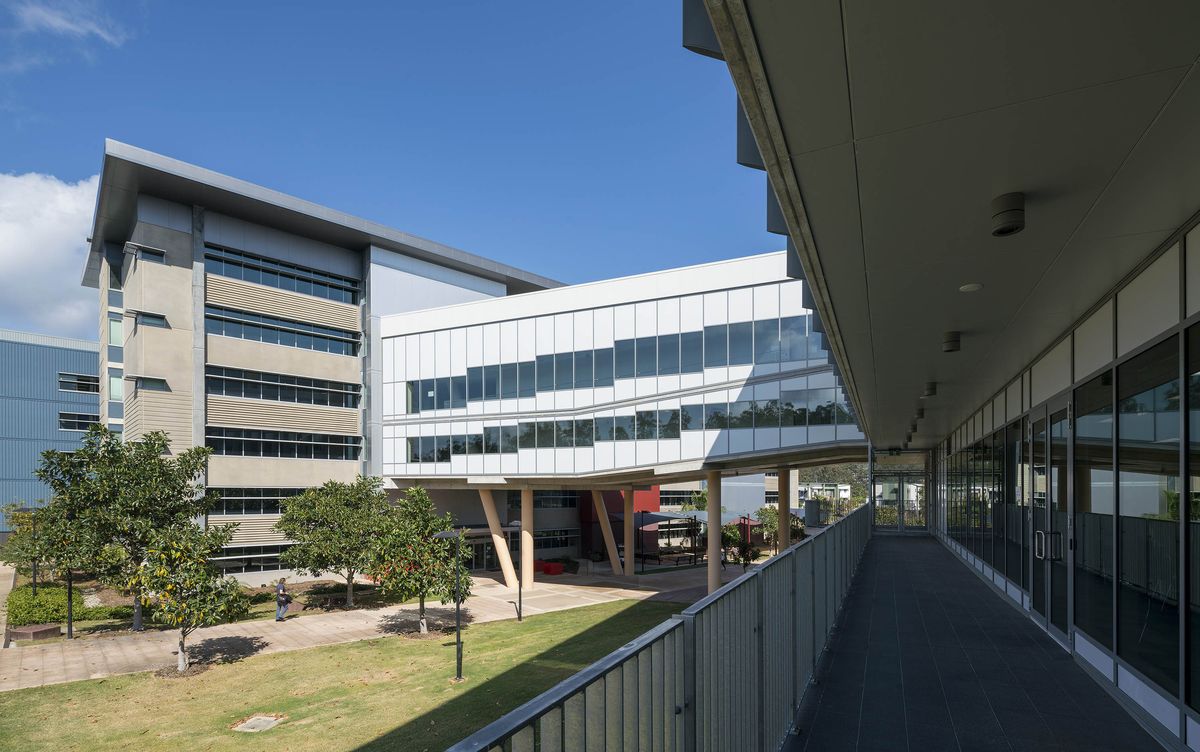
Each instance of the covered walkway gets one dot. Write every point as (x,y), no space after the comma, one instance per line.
(926,657)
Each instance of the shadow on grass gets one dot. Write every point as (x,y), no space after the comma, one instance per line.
(491,698)
(408,623)
(217,650)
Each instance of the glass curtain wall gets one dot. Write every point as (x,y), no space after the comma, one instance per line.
(1193,524)
(1095,503)
(1148,506)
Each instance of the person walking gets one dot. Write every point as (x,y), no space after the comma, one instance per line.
(282,599)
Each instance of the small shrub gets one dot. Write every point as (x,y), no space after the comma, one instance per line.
(262,597)
(48,607)
(108,613)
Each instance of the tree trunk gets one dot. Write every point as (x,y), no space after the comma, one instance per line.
(137,613)
(421,620)
(183,656)
(350,589)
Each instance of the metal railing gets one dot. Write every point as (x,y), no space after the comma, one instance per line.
(727,674)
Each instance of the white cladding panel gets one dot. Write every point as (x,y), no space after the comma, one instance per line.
(1150,303)
(1094,341)
(444,353)
(1052,373)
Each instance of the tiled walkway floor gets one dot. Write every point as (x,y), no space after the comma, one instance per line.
(926,658)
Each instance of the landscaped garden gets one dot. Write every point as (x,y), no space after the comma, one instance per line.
(100,610)
(392,693)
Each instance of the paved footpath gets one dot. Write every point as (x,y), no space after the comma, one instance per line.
(98,657)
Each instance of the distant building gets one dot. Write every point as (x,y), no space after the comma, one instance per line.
(49,396)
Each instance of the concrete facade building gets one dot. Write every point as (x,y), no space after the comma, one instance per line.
(304,345)
(48,399)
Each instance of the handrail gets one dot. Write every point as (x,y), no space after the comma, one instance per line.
(783,609)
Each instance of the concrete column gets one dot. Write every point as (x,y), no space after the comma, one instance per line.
(714,530)
(630,541)
(527,538)
(785,508)
(610,543)
(499,542)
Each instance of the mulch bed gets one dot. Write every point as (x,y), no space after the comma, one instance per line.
(174,673)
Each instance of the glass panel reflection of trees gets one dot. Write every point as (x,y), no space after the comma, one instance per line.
(1148,504)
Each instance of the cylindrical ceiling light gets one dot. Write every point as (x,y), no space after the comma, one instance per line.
(1008,214)
(951,342)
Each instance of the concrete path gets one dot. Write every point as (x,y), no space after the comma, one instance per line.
(97,657)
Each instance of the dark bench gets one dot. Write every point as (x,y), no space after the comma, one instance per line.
(35,632)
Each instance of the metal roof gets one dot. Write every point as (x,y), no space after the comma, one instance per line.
(48,340)
(129,171)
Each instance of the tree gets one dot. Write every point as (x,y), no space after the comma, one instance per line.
(698,502)
(412,563)
(21,548)
(186,590)
(334,528)
(855,474)
(119,495)
(768,516)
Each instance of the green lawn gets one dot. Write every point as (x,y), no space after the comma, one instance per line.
(392,693)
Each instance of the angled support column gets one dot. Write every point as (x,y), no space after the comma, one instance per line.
(527,538)
(499,543)
(785,508)
(610,542)
(714,530)
(630,541)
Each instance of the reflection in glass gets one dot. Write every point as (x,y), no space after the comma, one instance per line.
(646,356)
(1193,525)
(508,380)
(766,341)
(603,364)
(691,348)
(668,354)
(793,340)
(741,343)
(1148,503)
(1094,506)
(716,346)
(691,417)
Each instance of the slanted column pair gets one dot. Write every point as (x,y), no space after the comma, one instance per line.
(500,543)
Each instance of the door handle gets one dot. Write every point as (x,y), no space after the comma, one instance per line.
(1056,546)
(1039,544)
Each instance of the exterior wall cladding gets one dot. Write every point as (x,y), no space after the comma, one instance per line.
(41,407)
(712,361)
(300,360)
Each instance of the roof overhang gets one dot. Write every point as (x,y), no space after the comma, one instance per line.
(812,455)
(129,171)
(886,130)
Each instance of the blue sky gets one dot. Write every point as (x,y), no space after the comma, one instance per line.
(578,140)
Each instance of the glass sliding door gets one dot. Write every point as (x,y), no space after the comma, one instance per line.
(1014,508)
(1057,510)
(1095,502)
(1041,518)
(1148,422)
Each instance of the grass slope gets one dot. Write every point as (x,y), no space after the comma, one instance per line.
(387,694)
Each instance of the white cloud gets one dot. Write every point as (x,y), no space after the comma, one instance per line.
(44,225)
(71,18)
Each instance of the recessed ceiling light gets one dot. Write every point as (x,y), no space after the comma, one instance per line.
(970,287)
